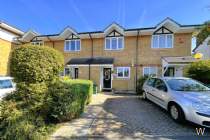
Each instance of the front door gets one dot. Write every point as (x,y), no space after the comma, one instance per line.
(107,78)
(76,73)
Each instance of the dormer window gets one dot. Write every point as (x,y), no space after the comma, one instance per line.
(72,45)
(114,43)
(162,41)
(162,38)
(37,43)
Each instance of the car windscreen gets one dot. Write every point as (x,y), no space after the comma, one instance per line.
(4,84)
(186,85)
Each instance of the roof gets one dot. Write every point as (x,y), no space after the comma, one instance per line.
(205,42)
(10,28)
(95,60)
(179,59)
(168,23)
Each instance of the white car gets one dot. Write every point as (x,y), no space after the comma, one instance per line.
(183,98)
(6,86)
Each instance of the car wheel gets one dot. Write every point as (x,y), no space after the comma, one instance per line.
(144,95)
(176,113)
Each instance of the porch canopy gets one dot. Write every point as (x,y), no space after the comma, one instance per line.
(91,61)
(174,61)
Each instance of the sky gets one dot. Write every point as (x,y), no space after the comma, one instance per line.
(52,16)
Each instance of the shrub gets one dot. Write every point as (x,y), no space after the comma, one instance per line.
(140,84)
(33,64)
(67,99)
(200,71)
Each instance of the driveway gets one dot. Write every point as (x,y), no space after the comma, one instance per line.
(112,116)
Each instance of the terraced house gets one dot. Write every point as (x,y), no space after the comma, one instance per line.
(116,57)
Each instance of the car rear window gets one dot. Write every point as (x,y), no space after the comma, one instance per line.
(4,84)
(151,82)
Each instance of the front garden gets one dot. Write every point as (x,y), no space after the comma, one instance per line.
(41,99)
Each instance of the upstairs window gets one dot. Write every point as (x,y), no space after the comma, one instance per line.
(114,43)
(72,45)
(37,43)
(162,41)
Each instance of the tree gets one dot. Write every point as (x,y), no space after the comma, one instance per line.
(200,71)
(204,33)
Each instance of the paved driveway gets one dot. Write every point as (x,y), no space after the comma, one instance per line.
(126,117)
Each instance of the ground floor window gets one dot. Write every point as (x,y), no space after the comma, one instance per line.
(169,72)
(123,72)
(67,71)
(149,71)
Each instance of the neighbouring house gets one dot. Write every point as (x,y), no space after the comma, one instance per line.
(116,57)
(204,48)
(8,36)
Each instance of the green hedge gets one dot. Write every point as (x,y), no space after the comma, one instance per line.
(33,110)
(67,99)
(32,64)
(200,71)
(140,84)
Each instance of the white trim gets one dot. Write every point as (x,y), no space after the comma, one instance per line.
(102,80)
(70,45)
(40,43)
(166,41)
(124,77)
(94,65)
(117,39)
(150,70)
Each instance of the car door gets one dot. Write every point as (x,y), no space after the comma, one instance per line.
(160,92)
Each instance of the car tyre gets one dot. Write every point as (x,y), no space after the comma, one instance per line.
(176,113)
(144,95)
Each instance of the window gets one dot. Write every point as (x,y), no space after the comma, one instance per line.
(149,71)
(123,72)
(72,45)
(67,72)
(37,43)
(160,85)
(150,82)
(162,41)
(114,43)
(4,84)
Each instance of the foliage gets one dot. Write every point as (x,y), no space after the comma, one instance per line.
(67,99)
(33,64)
(199,70)
(40,99)
(203,34)
(140,84)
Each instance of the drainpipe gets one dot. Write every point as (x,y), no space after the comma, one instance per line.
(91,53)
(137,44)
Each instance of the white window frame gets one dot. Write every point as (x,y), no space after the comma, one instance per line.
(150,70)
(110,39)
(37,43)
(124,77)
(165,47)
(70,46)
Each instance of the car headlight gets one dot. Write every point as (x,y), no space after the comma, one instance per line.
(201,107)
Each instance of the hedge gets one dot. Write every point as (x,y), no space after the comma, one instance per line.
(34,116)
(32,64)
(67,99)
(140,84)
(199,70)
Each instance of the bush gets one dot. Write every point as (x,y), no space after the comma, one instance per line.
(140,84)
(67,99)
(32,64)
(200,71)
